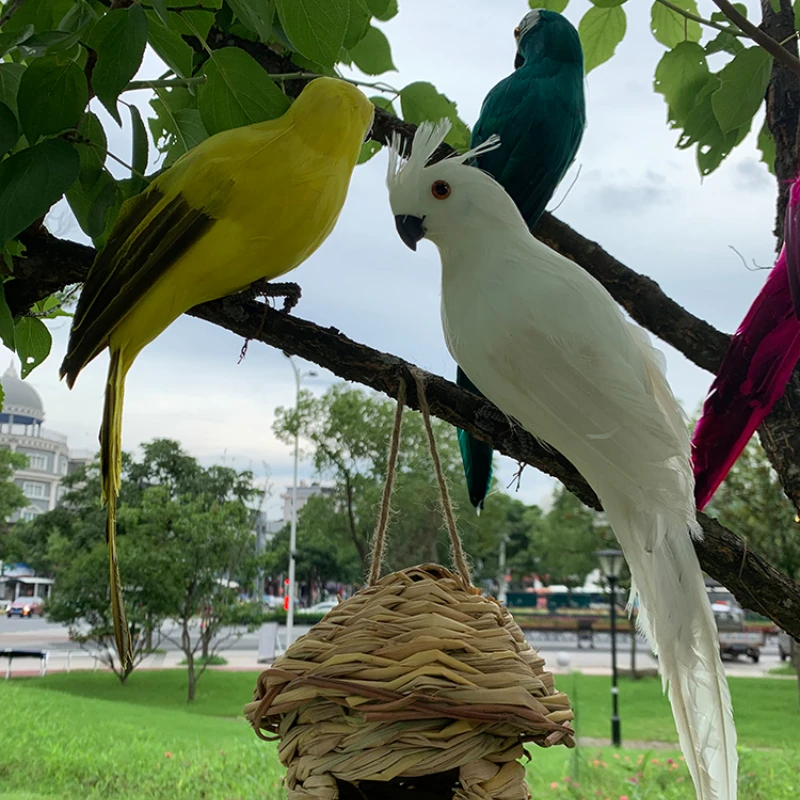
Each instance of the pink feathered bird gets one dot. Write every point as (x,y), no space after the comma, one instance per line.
(756,368)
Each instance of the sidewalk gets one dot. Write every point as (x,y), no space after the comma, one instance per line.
(560,663)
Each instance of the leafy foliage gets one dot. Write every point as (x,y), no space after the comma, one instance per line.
(345,433)
(751,499)
(184,532)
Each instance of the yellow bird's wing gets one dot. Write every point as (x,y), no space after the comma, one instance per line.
(153,230)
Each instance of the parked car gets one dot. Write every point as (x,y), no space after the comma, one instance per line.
(272,601)
(321,608)
(784,645)
(25,607)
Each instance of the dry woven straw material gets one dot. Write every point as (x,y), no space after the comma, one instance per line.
(415,675)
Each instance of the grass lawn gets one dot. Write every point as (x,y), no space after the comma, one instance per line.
(82,735)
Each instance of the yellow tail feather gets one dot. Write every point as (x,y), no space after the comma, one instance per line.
(111,461)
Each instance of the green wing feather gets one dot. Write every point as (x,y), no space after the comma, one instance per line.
(475,454)
(150,234)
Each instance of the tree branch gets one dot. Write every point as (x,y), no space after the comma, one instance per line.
(773,47)
(723,555)
(10,8)
(702,20)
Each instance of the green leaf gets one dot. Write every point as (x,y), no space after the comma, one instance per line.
(91,206)
(178,126)
(237,92)
(420,102)
(92,153)
(160,7)
(701,124)
(382,9)
(10,76)
(169,46)
(316,28)
(671,28)
(140,146)
(31,181)
(607,3)
(257,15)
(372,55)
(9,129)
(776,6)
(80,16)
(33,342)
(50,307)
(44,15)
(701,127)
(743,84)
(711,153)
(192,22)
(6,321)
(63,84)
(119,38)
(49,42)
(724,42)
(358,25)
(601,30)
(680,75)
(368,149)
(8,41)
(766,144)
(550,5)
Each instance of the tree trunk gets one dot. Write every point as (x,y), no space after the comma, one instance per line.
(186,646)
(191,676)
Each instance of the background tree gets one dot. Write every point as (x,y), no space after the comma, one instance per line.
(11,497)
(92,49)
(345,434)
(566,542)
(751,498)
(185,537)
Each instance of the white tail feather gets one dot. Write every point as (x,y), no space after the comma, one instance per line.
(679,625)
(675,614)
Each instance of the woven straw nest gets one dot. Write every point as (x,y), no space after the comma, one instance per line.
(415,676)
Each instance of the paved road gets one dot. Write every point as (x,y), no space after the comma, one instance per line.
(560,650)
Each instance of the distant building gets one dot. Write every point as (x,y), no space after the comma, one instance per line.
(304,494)
(21,430)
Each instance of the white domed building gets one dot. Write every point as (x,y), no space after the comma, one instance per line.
(21,430)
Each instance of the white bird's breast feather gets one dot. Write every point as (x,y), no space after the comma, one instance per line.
(547,344)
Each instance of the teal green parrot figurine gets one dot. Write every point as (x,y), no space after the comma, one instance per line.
(539,112)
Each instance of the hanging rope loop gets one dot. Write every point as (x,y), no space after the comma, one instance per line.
(457,549)
(379,537)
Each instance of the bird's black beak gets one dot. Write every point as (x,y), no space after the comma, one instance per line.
(518,61)
(410,229)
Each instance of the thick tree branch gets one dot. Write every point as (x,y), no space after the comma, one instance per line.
(783,105)
(723,555)
(780,433)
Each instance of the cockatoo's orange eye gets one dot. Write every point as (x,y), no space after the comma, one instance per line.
(516,33)
(440,190)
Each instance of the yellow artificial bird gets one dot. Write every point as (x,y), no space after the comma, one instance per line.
(245,205)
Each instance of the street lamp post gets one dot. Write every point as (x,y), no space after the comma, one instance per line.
(611,562)
(298,377)
(502,588)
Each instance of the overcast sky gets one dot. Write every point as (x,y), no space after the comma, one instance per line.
(637,195)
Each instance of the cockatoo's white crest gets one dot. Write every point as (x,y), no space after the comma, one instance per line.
(426,141)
